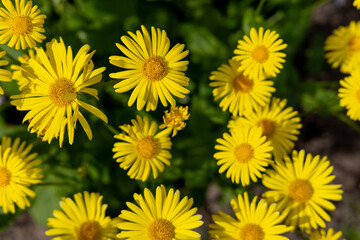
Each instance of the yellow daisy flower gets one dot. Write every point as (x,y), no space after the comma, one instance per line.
(253,221)
(322,235)
(175,119)
(5,75)
(82,219)
(343,47)
(23,82)
(151,69)
(280,125)
(349,94)
(21,25)
(59,81)
(244,154)
(260,54)
(163,217)
(356,4)
(18,171)
(141,149)
(302,189)
(239,93)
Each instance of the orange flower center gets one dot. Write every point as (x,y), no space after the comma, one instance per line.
(89,230)
(21,25)
(147,147)
(300,190)
(358,95)
(268,127)
(161,229)
(251,232)
(154,69)
(62,92)
(244,152)
(354,44)
(260,54)
(243,84)
(5,177)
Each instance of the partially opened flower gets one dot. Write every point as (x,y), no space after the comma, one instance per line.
(160,217)
(349,94)
(82,219)
(152,70)
(59,82)
(260,55)
(321,234)
(21,25)
(175,119)
(5,75)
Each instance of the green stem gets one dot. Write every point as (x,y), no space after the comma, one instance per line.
(342,117)
(111,128)
(259,7)
(301,234)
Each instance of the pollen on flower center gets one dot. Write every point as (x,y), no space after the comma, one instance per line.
(62,92)
(260,54)
(89,230)
(300,190)
(354,44)
(251,232)
(161,229)
(154,69)
(268,127)
(243,84)
(5,177)
(147,147)
(244,152)
(21,25)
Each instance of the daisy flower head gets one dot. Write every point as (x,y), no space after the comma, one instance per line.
(321,234)
(302,188)
(239,93)
(254,221)
(349,94)
(260,54)
(356,4)
(142,149)
(59,82)
(160,217)
(18,171)
(175,119)
(21,25)
(82,219)
(343,47)
(151,69)
(279,125)
(243,154)
(5,75)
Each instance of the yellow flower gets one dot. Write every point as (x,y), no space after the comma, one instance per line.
(244,154)
(356,4)
(301,188)
(343,47)
(151,69)
(254,221)
(163,217)
(322,235)
(141,149)
(239,93)
(349,94)
(175,119)
(59,81)
(5,75)
(18,171)
(24,83)
(21,25)
(260,54)
(280,125)
(82,219)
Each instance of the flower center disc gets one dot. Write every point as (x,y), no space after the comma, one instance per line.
(89,230)
(260,54)
(147,147)
(243,84)
(300,190)
(21,25)
(252,232)
(354,44)
(268,127)
(154,69)
(62,92)
(5,177)
(161,229)
(244,152)
(358,95)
